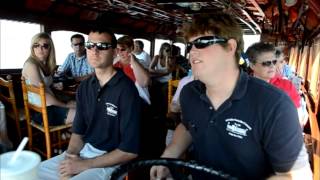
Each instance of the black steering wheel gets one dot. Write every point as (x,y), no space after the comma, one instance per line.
(121,170)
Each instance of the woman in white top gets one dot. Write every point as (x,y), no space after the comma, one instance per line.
(160,69)
(162,65)
(40,67)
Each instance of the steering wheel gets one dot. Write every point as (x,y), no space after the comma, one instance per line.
(121,170)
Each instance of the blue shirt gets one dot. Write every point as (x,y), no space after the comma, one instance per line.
(108,117)
(76,67)
(286,71)
(253,134)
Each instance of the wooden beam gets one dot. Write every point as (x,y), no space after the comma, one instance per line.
(179,1)
(256,5)
(315,135)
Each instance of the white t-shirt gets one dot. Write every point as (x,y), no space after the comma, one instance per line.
(144,58)
(175,103)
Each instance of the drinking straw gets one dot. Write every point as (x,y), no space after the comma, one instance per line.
(19,150)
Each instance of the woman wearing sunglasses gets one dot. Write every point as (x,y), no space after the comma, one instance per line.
(262,60)
(39,68)
(267,70)
(263,63)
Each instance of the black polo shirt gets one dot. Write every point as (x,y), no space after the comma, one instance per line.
(252,134)
(108,117)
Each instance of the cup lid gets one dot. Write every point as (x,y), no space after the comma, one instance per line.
(26,161)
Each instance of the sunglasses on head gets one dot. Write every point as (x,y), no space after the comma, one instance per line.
(204,42)
(45,46)
(268,63)
(78,44)
(99,45)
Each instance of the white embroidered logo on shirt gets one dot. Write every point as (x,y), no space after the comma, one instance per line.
(237,128)
(111,109)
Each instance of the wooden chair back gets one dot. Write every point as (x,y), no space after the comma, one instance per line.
(44,128)
(8,97)
(314,142)
(172,86)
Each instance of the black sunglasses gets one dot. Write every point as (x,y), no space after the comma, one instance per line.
(99,45)
(204,42)
(268,63)
(78,44)
(45,46)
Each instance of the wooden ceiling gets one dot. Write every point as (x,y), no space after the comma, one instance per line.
(277,20)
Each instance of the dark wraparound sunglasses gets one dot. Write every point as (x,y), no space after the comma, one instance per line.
(204,42)
(268,63)
(99,45)
(45,46)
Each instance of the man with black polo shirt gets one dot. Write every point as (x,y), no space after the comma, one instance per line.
(106,126)
(236,123)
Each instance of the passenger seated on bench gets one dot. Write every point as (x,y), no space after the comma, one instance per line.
(105,131)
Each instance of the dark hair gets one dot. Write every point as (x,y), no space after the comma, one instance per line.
(175,50)
(255,50)
(77,36)
(220,24)
(100,28)
(126,40)
(278,52)
(140,44)
(163,47)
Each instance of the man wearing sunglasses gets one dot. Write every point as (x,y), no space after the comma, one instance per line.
(236,123)
(105,130)
(76,64)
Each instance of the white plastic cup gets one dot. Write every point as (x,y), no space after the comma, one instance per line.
(24,167)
